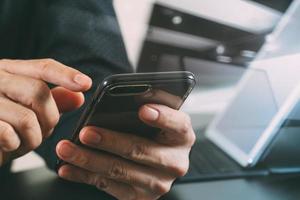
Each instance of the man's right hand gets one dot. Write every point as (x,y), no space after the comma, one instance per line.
(29,110)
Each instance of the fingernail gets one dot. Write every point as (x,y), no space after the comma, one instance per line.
(14,144)
(66,150)
(151,114)
(61,172)
(91,137)
(82,79)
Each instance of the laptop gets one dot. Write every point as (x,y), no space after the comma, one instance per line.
(257,132)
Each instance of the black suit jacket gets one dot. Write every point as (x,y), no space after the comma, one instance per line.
(79,33)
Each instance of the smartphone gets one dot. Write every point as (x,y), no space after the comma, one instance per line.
(117,100)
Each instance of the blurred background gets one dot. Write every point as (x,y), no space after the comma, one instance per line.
(216,40)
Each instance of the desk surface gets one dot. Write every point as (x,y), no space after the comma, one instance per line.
(42,184)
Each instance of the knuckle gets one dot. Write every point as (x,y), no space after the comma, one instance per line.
(55,119)
(27,119)
(185,127)
(27,122)
(161,188)
(34,143)
(137,151)
(162,157)
(192,138)
(52,122)
(5,131)
(180,169)
(188,130)
(90,179)
(118,171)
(82,160)
(180,166)
(186,124)
(41,91)
(46,65)
(100,183)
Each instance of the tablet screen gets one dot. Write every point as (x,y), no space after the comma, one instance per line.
(249,113)
(266,95)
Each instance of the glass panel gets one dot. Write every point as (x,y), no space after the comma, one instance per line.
(250,112)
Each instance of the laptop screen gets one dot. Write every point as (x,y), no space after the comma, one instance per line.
(267,93)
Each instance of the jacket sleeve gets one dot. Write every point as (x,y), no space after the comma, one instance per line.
(84,34)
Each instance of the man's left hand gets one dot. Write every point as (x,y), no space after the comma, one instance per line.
(128,166)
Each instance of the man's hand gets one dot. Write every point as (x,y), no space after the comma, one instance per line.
(127,166)
(29,110)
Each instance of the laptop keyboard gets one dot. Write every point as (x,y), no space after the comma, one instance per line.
(207,162)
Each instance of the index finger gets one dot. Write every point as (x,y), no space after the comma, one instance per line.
(50,71)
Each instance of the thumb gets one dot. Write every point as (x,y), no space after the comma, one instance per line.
(66,100)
